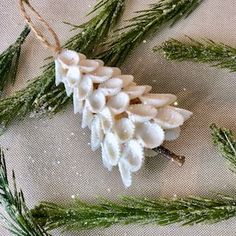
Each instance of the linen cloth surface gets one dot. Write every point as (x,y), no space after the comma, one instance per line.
(52,157)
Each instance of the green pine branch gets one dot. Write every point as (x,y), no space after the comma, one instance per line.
(145,24)
(217,54)
(225,141)
(41,95)
(16,216)
(9,61)
(131,210)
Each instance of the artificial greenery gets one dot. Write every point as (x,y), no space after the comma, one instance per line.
(225,141)
(144,24)
(132,210)
(9,61)
(16,216)
(42,96)
(217,54)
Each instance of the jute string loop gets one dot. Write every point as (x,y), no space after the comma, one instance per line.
(54,48)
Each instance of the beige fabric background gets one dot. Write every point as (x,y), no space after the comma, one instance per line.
(52,158)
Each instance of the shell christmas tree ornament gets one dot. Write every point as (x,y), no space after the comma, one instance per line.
(124,118)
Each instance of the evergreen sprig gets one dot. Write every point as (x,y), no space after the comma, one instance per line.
(132,210)
(9,61)
(225,141)
(41,95)
(146,23)
(217,54)
(17,218)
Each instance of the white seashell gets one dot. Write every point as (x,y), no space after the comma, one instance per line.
(111,87)
(88,66)
(185,113)
(150,134)
(105,159)
(97,134)
(103,73)
(73,77)
(158,100)
(68,88)
(60,73)
(101,63)
(135,91)
(111,149)
(172,134)
(124,129)
(125,173)
(141,112)
(87,117)
(85,88)
(148,89)
(96,101)
(68,58)
(133,154)
(77,103)
(127,79)
(118,103)
(168,118)
(106,120)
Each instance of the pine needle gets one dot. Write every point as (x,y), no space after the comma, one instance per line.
(225,141)
(17,217)
(217,54)
(132,210)
(9,61)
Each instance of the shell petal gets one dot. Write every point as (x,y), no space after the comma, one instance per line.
(73,77)
(125,173)
(124,129)
(68,58)
(60,73)
(68,89)
(158,100)
(185,113)
(106,119)
(141,112)
(150,134)
(118,103)
(133,154)
(168,118)
(135,91)
(127,79)
(172,134)
(148,89)
(87,117)
(111,148)
(77,103)
(96,133)
(111,87)
(105,159)
(88,66)
(85,88)
(96,101)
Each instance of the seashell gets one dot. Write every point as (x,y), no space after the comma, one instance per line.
(60,73)
(106,120)
(133,154)
(103,73)
(88,66)
(87,117)
(150,134)
(124,129)
(141,112)
(158,100)
(168,118)
(105,159)
(101,63)
(118,103)
(77,103)
(135,91)
(148,89)
(111,87)
(69,58)
(172,134)
(127,79)
(73,77)
(85,88)
(96,101)
(68,88)
(185,113)
(125,173)
(111,149)
(97,134)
